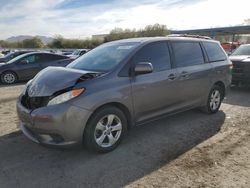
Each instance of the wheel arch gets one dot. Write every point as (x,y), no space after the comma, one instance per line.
(121,107)
(118,105)
(222,86)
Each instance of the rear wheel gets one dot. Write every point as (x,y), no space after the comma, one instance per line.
(105,129)
(8,77)
(214,100)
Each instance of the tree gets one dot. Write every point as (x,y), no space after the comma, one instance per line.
(32,43)
(57,42)
(115,34)
(60,42)
(154,31)
(148,31)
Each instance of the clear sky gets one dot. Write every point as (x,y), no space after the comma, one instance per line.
(82,18)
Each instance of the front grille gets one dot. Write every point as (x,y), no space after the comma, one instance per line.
(238,67)
(34,102)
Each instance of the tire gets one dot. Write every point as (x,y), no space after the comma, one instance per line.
(214,100)
(8,77)
(105,130)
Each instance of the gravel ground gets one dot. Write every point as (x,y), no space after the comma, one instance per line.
(191,149)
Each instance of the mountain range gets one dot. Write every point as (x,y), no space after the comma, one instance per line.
(44,39)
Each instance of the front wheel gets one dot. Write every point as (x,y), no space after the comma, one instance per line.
(105,129)
(8,78)
(214,100)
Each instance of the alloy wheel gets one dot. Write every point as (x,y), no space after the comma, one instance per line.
(108,130)
(9,78)
(215,100)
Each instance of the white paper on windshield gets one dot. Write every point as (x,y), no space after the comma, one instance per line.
(124,47)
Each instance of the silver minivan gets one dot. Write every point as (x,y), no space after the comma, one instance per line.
(118,85)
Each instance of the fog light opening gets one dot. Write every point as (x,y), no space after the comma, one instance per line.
(52,138)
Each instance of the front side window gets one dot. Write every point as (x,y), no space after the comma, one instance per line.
(29,59)
(214,51)
(155,53)
(76,52)
(187,53)
(105,57)
(10,56)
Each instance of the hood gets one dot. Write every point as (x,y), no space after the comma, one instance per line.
(55,79)
(239,57)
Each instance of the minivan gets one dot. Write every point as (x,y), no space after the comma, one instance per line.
(121,84)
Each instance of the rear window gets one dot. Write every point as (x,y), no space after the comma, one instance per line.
(53,57)
(187,53)
(214,52)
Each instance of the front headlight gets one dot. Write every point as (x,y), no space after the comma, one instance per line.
(66,96)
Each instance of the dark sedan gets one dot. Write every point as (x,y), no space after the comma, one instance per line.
(26,66)
(12,55)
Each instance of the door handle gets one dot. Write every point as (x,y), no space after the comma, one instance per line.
(172,77)
(184,74)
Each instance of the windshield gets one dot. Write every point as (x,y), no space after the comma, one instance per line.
(242,50)
(16,58)
(76,52)
(9,55)
(104,57)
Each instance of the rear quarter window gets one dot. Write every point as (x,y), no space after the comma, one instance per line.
(59,57)
(214,51)
(52,57)
(187,53)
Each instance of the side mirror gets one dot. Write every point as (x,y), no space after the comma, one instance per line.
(143,68)
(24,62)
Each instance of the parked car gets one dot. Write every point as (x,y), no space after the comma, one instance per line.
(12,55)
(78,53)
(5,52)
(26,66)
(241,65)
(67,52)
(117,85)
(229,47)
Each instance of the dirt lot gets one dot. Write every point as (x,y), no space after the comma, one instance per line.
(190,149)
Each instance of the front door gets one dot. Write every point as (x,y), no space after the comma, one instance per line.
(154,93)
(29,69)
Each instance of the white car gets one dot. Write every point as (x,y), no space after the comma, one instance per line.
(77,53)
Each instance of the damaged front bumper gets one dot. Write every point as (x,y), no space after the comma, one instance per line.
(57,125)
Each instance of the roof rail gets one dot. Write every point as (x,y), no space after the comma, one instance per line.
(191,36)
